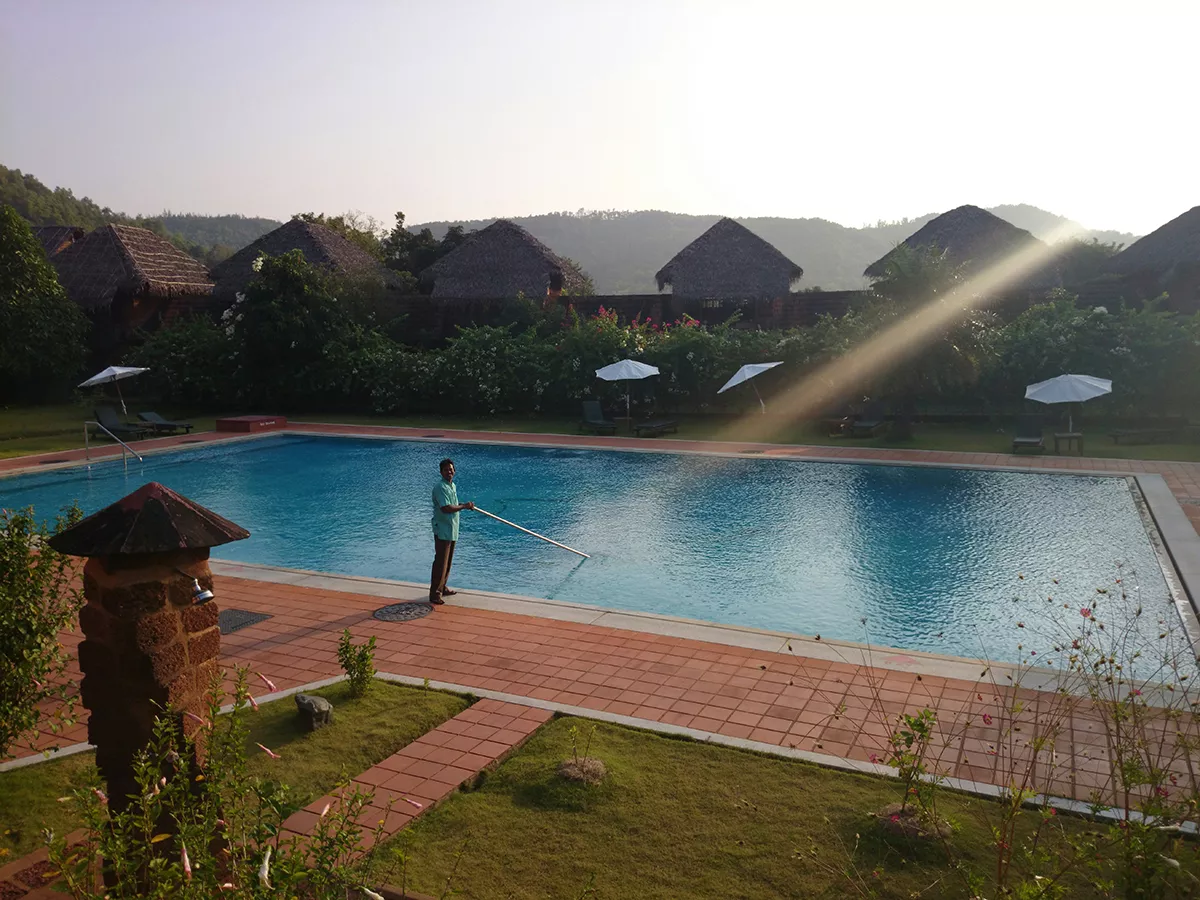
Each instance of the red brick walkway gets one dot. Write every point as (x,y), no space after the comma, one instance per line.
(432,767)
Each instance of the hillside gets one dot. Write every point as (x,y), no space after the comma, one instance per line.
(207,238)
(623,250)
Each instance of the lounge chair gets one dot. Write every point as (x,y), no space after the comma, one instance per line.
(655,427)
(1170,429)
(870,423)
(107,417)
(594,421)
(1029,434)
(159,424)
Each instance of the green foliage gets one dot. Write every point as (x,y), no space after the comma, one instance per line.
(188,362)
(358,662)
(211,829)
(42,333)
(38,599)
(909,747)
(413,252)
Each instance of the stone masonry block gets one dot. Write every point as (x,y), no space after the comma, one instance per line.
(132,601)
(96,659)
(96,623)
(200,618)
(185,689)
(157,630)
(204,646)
(167,662)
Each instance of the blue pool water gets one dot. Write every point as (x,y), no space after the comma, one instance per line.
(930,557)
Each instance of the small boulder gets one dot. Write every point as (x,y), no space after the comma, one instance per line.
(315,711)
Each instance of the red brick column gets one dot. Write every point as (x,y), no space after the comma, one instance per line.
(146,646)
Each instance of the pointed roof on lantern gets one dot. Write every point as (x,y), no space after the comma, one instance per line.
(153,519)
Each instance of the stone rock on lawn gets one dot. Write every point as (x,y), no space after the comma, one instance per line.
(315,711)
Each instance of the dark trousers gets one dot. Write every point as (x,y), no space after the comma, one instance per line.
(443,555)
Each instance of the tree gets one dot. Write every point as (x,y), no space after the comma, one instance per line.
(405,251)
(42,332)
(38,599)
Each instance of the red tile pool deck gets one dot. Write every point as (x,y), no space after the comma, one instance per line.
(833,710)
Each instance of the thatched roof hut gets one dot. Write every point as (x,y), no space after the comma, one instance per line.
(969,236)
(320,246)
(501,261)
(56,238)
(1167,249)
(729,261)
(123,263)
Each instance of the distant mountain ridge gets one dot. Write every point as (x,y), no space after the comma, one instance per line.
(623,250)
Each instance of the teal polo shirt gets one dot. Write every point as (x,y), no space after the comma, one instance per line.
(445,525)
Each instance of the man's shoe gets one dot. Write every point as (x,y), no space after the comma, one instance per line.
(436,601)
(449,592)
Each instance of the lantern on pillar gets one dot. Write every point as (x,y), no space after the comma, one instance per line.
(149,623)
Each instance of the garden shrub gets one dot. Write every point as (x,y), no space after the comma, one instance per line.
(39,598)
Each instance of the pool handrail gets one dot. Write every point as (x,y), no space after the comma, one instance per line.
(87,447)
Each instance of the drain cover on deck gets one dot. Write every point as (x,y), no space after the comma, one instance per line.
(46,462)
(192,441)
(231,620)
(433,435)
(403,612)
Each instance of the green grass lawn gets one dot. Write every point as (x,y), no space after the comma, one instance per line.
(364,731)
(678,819)
(44,429)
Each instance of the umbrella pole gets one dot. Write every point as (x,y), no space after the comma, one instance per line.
(760,399)
(120,397)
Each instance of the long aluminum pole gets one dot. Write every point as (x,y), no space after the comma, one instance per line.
(534,533)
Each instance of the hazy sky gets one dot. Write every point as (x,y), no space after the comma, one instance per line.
(851,111)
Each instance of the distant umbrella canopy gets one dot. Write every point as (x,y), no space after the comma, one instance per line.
(1068,389)
(626,370)
(746,372)
(153,519)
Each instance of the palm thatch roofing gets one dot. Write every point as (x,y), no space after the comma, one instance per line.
(55,238)
(319,245)
(729,260)
(122,259)
(969,236)
(1163,250)
(501,261)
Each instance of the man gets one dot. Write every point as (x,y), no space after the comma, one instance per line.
(445,532)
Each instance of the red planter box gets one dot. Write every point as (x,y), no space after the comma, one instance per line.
(247,424)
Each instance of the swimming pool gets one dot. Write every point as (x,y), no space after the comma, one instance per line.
(936,559)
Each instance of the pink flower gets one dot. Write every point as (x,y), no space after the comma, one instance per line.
(875,758)
(100,795)
(413,802)
(1161,792)
(196,718)
(253,702)
(267,750)
(267,681)
(1085,612)
(183,858)
(324,811)
(987,719)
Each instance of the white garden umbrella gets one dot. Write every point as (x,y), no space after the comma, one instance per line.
(626,370)
(1068,389)
(114,374)
(745,373)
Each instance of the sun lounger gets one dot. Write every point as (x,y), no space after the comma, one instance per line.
(656,427)
(1029,434)
(870,423)
(594,421)
(158,423)
(107,417)
(1168,430)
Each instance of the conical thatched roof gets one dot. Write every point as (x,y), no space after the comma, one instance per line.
(501,261)
(320,246)
(56,238)
(729,261)
(1164,249)
(115,258)
(153,519)
(970,237)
